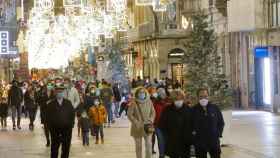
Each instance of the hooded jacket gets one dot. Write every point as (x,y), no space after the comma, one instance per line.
(134,114)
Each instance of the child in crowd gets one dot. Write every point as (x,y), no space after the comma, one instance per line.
(85,126)
(3,112)
(98,117)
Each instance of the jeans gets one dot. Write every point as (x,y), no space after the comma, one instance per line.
(148,146)
(99,130)
(109,110)
(117,108)
(16,111)
(161,141)
(85,137)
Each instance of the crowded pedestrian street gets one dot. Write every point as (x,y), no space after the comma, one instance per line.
(139,78)
(249,140)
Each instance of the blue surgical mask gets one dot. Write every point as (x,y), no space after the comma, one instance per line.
(60,95)
(142,96)
(97,92)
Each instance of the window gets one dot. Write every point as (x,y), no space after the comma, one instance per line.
(275,7)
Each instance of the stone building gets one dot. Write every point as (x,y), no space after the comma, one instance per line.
(254,52)
(155,42)
(157,38)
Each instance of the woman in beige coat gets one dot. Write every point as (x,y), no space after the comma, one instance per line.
(141,104)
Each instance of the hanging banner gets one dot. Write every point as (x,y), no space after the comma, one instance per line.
(144,2)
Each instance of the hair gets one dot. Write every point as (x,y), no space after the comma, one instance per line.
(202,89)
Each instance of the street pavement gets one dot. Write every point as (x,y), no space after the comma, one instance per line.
(253,135)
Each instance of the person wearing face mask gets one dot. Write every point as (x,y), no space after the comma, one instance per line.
(208,125)
(141,114)
(90,96)
(60,120)
(159,104)
(98,117)
(175,125)
(15,98)
(44,97)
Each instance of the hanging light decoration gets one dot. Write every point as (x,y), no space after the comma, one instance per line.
(55,35)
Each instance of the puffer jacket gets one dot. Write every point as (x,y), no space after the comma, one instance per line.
(134,115)
(98,115)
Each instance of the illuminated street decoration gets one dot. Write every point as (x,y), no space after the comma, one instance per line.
(44,5)
(72,3)
(60,37)
(144,2)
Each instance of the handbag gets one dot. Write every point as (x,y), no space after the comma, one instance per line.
(148,127)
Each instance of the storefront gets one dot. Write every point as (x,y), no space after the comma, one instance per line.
(176,67)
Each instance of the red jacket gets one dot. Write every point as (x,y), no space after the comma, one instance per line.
(159,106)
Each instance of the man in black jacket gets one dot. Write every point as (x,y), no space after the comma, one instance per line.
(60,119)
(15,97)
(208,125)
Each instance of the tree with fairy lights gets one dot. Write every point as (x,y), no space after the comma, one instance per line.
(204,65)
(117,67)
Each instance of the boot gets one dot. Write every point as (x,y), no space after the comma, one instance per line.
(97,141)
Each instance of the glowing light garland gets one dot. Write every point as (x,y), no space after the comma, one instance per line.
(52,40)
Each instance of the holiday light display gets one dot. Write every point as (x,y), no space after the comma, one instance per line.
(53,39)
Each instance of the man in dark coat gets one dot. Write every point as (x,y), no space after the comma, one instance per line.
(117,98)
(60,120)
(15,98)
(175,123)
(208,124)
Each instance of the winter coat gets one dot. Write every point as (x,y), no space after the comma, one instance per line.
(134,115)
(208,126)
(159,106)
(106,95)
(85,124)
(29,100)
(89,101)
(177,129)
(60,116)
(15,96)
(98,115)
(43,100)
(73,96)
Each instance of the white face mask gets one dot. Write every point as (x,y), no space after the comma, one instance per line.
(155,95)
(203,102)
(96,103)
(179,103)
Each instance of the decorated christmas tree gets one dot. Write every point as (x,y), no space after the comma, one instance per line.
(204,65)
(117,68)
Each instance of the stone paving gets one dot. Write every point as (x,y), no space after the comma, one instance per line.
(254,135)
